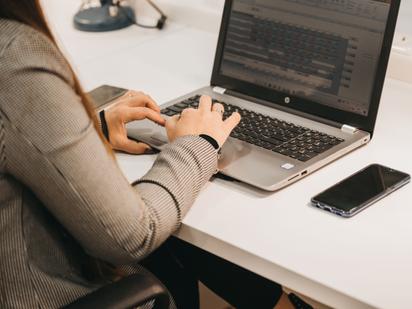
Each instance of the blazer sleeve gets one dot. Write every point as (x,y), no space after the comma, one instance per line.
(53,149)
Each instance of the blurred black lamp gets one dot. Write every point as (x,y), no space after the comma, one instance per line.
(111,15)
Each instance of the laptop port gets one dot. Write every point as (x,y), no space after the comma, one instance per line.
(304,173)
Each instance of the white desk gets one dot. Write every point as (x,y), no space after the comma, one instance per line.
(355,263)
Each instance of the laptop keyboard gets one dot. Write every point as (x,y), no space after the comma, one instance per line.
(273,134)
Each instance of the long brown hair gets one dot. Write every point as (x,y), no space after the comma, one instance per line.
(30,13)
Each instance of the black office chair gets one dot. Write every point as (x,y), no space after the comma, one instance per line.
(129,292)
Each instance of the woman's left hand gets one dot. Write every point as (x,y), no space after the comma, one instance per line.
(130,107)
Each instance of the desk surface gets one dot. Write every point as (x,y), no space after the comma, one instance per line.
(344,263)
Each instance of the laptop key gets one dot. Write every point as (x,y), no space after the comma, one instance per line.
(252,140)
(279,137)
(175,109)
(268,146)
(334,142)
(168,112)
(182,105)
(242,137)
(186,102)
(271,140)
(304,158)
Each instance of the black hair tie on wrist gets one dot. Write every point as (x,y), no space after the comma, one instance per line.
(103,122)
(211,140)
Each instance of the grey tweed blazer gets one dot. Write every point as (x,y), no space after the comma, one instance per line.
(63,199)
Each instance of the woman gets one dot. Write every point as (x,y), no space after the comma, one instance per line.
(67,214)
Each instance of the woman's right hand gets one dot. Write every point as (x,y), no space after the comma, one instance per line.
(207,119)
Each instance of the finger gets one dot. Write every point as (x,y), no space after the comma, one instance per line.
(152,104)
(171,126)
(139,113)
(133,147)
(187,112)
(139,99)
(205,104)
(231,122)
(218,108)
(171,122)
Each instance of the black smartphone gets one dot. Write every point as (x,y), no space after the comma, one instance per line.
(361,190)
(105,94)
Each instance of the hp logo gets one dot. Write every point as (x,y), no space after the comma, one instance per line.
(287,100)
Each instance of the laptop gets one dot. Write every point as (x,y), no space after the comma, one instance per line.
(306,77)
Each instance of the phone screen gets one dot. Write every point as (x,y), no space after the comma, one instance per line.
(362,188)
(105,94)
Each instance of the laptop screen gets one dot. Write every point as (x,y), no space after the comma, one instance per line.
(325,51)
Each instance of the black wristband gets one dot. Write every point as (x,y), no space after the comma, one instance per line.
(103,122)
(211,140)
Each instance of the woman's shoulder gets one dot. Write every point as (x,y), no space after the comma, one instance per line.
(9,31)
(35,79)
(23,47)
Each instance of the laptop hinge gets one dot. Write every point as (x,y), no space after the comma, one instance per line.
(349,129)
(219,90)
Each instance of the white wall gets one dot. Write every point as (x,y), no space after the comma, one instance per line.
(405,17)
(400,65)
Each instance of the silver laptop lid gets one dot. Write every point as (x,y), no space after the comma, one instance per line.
(325,58)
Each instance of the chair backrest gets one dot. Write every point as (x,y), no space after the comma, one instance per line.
(129,292)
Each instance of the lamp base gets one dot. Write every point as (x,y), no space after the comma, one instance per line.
(100,19)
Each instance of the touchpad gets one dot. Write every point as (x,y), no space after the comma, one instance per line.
(148,132)
(158,139)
